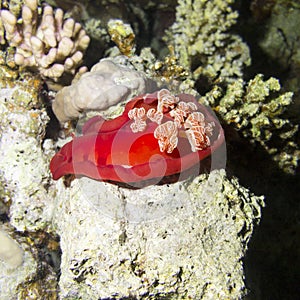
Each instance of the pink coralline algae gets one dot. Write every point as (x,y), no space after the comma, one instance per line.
(159,138)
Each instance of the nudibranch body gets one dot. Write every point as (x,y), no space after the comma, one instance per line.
(158,135)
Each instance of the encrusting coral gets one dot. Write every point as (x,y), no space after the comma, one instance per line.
(108,83)
(46,41)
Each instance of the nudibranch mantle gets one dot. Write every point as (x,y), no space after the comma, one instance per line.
(158,135)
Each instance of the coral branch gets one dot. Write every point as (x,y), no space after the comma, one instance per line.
(48,43)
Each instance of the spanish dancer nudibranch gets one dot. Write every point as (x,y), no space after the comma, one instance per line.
(159,138)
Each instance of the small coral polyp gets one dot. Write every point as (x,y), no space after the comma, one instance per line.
(158,136)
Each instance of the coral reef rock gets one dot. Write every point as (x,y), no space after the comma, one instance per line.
(108,83)
(184,240)
(24,169)
(45,42)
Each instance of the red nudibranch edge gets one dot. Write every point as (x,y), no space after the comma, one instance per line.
(158,135)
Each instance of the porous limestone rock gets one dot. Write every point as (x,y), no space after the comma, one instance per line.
(45,42)
(24,169)
(25,191)
(177,241)
(111,81)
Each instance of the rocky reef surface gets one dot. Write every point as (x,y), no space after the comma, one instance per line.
(77,238)
(159,241)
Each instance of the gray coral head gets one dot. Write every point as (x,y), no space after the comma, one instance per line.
(107,84)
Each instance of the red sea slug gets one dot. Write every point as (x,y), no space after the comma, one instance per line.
(158,136)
